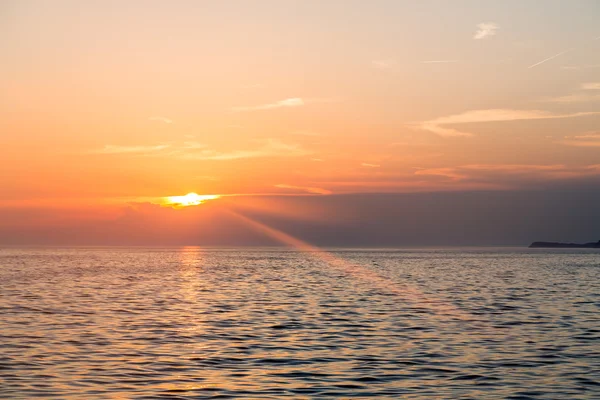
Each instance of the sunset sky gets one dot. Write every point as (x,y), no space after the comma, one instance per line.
(314,112)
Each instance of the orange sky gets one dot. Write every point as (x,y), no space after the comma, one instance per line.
(111,103)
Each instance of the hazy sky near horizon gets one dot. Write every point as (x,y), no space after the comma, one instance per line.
(108,103)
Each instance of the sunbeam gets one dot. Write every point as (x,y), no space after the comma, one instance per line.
(437,306)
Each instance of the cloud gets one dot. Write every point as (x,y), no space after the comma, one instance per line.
(188,146)
(589,135)
(313,190)
(370,165)
(587,143)
(591,86)
(305,133)
(112,149)
(580,67)
(589,139)
(438,125)
(573,98)
(270,148)
(485,29)
(439,61)
(291,102)
(508,176)
(583,96)
(383,64)
(549,58)
(200,151)
(450,173)
(161,119)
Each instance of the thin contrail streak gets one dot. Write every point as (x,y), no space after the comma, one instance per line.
(549,58)
(557,55)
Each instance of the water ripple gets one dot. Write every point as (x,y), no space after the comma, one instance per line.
(270,324)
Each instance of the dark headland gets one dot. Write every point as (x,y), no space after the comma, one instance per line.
(555,245)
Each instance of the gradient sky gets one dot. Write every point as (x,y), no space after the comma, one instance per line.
(108,106)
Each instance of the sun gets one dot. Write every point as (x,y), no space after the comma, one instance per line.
(190,199)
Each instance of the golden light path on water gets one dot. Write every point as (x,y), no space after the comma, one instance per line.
(438,307)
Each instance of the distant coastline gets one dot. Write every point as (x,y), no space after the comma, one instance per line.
(557,245)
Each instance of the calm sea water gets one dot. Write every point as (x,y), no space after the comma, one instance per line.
(196,323)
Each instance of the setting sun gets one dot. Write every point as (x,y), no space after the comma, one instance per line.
(190,199)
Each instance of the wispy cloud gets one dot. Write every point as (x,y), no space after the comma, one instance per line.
(113,149)
(485,29)
(591,86)
(383,64)
(193,145)
(439,125)
(586,94)
(549,58)
(573,98)
(589,135)
(313,190)
(270,148)
(509,175)
(589,139)
(369,165)
(161,119)
(305,133)
(200,151)
(291,102)
(439,61)
(580,67)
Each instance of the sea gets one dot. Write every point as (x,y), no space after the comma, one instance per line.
(273,323)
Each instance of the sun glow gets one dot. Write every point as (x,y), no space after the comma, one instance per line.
(190,199)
